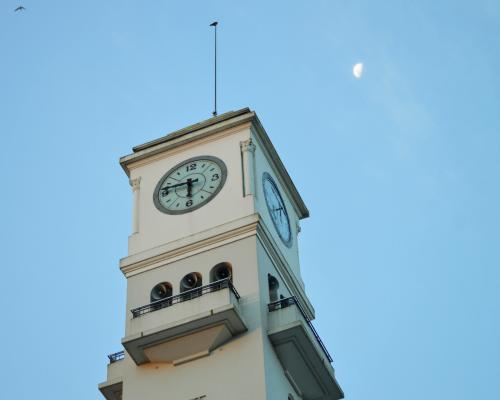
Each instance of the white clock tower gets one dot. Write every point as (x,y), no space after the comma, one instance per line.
(216,307)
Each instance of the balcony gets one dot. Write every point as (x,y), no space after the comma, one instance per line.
(113,387)
(306,361)
(116,357)
(184,327)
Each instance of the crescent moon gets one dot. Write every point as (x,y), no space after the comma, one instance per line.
(357,70)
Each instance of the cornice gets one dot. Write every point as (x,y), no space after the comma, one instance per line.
(188,246)
(181,140)
(213,238)
(183,146)
(192,128)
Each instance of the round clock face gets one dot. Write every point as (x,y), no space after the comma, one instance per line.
(277,209)
(190,185)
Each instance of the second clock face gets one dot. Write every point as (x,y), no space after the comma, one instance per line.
(190,185)
(277,209)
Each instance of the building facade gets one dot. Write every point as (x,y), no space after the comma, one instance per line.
(216,307)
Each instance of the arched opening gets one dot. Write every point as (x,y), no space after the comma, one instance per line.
(273,287)
(190,282)
(221,271)
(160,292)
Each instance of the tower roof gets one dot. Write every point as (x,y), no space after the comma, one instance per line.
(209,127)
(192,128)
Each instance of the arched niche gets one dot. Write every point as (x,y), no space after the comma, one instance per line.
(273,285)
(220,271)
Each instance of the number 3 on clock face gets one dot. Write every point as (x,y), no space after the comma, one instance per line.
(190,185)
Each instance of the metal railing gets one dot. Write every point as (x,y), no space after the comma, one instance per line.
(290,301)
(185,296)
(120,355)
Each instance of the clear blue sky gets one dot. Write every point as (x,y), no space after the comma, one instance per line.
(400,169)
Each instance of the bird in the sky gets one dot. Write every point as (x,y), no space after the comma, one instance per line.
(20,8)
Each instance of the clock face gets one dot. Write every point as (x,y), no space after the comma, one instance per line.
(190,185)
(277,209)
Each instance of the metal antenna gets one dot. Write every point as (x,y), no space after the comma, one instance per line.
(214,24)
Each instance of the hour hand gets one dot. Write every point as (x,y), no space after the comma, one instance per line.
(166,188)
(189,183)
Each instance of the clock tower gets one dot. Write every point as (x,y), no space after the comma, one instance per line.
(216,307)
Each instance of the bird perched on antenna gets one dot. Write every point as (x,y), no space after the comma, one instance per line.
(20,8)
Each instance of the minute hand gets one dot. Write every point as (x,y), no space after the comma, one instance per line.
(166,188)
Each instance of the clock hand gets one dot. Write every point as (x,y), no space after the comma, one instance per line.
(280,209)
(189,182)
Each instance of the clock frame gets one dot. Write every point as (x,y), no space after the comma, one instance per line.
(209,196)
(280,224)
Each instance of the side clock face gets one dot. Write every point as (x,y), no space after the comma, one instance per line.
(190,185)
(277,209)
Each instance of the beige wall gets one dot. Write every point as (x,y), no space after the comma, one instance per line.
(156,228)
(246,367)
(233,371)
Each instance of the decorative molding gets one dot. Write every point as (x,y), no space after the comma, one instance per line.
(213,238)
(247,145)
(135,183)
(248,166)
(193,128)
(149,154)
(136,186)
(191,245)
(180,147)
(297,226)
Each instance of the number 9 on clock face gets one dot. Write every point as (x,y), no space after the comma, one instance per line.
(190,185)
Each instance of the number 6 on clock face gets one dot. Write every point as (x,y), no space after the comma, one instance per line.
(190,185)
